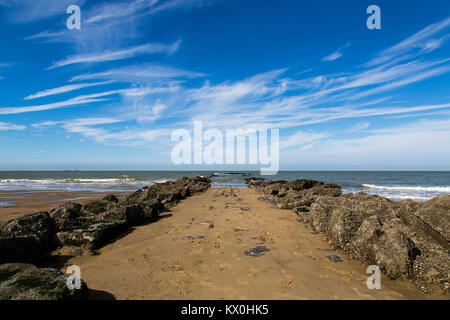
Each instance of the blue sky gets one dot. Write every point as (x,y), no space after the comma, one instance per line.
(109,95)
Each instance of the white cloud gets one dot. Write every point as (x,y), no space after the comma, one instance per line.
(358,127)
(80,100)
(44,124)
(416,145)
(337,54)
(137,73)
(96,57)
(65,89)
(88,127)
(25,11)
(302,138)
(419,40)
(4,126)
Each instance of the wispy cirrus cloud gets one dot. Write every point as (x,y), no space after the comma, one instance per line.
(76,101)
(150,48)
(143,72)
(170,97)
(337,54)
(421,41)
(112,22)
(89,128)
(65,89)
(303,138)
(25,11)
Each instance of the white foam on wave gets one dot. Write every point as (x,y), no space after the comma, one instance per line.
(72,181)
(72,184)
(409,188)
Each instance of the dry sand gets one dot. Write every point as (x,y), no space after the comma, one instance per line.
(154,261)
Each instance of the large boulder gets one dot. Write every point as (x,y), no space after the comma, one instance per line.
(26,238)
(111,198)
(133,214)
(27,282)
(66,215)
(95,207)
(94,235)
(381,232)
(436,212)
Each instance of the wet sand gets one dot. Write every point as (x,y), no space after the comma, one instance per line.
(197,251)
(14,204)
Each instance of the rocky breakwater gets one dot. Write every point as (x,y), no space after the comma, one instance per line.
(29,238)
(407,239)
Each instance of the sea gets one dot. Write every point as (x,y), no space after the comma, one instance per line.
(395,185)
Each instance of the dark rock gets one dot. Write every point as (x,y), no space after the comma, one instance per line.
(170,192)
(133,214)
(26,238)
(334,258)
(326,249)
(76,252)
(257,251)
(192,237)
(95,207)
(111,198)
(93,236)
(27,282)
(65,216)
(294,194)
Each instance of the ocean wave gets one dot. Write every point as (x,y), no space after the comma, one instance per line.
(51,181)
(75,184)
(409,188)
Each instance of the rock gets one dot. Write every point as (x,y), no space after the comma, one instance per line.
(76,252)
(91,225)
(378,231)
(294,194)
(26,238)
(334,258)
(436,212)
(93,236)
(192,237)
(257,251)
(65,216)
(133,214)
(168,193)
(27,282)
(95,207)
(111,198)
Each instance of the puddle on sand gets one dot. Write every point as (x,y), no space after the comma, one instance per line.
(5,204)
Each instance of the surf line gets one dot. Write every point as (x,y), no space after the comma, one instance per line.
(193,310)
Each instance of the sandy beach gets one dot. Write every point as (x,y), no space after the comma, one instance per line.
(198,251)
